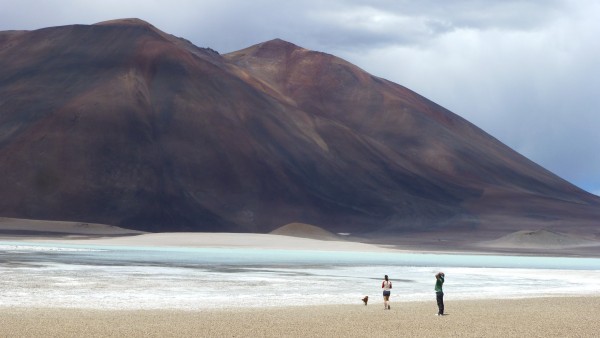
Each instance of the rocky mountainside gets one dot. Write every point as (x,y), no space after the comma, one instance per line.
(122,124)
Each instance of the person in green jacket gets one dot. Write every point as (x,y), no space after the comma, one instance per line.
(439,292)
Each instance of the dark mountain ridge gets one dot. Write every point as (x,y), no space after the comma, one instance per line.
(120,123)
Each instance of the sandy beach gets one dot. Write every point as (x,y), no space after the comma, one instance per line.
(538,317)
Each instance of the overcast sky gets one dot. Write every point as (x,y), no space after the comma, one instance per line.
(527,72)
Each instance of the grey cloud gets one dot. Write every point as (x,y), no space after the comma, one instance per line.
(535,90)
(343,24)
(351,25)
(479,14)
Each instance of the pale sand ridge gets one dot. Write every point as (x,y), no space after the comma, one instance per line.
(291,237)
(222,240)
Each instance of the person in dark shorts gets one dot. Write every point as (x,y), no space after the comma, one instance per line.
(439,292)
(386,286)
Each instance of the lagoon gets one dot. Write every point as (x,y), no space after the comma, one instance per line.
(121,277)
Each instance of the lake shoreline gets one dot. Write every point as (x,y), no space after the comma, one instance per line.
(302,237)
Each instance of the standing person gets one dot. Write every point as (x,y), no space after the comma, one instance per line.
(386,286)
(439,292)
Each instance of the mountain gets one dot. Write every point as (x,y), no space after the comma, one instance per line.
(123,124)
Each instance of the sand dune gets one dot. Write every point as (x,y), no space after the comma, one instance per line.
(305,231)
(539,239)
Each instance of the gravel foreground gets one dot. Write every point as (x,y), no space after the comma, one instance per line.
(534,317)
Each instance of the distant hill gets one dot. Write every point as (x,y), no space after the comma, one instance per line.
(120,123)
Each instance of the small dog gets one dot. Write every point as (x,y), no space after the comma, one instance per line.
(365,300)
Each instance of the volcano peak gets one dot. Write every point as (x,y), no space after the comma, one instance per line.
(125,22)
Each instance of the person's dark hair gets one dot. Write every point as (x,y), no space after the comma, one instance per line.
(386,277)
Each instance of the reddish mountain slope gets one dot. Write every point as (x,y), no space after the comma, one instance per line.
(123,124)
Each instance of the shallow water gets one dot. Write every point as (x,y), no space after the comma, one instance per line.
(194,278)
